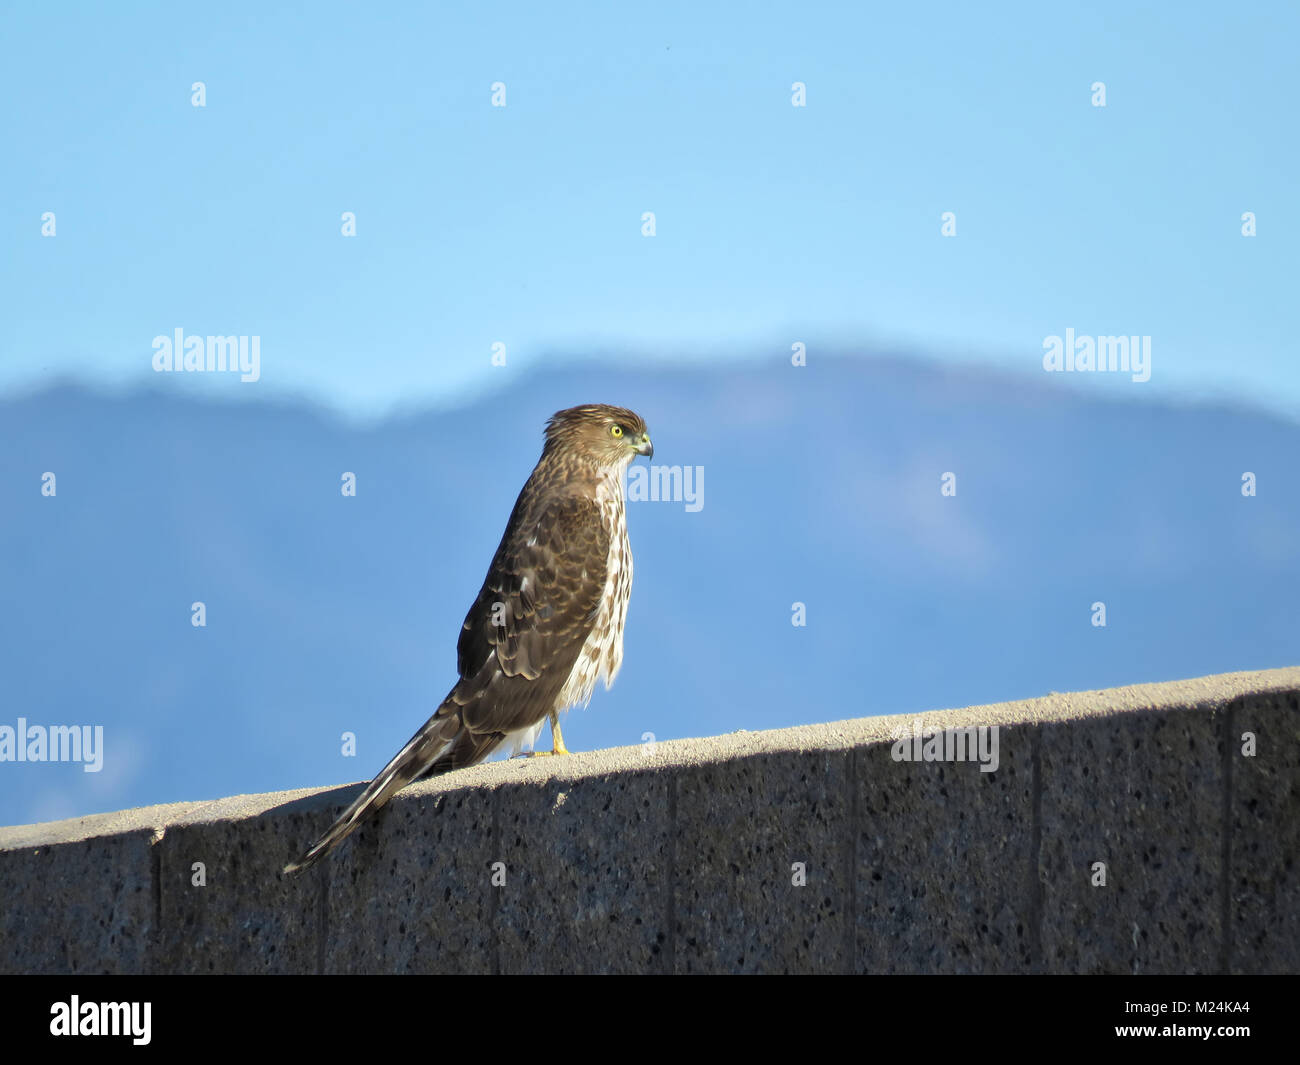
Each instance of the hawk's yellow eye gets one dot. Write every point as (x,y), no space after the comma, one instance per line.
(616,430)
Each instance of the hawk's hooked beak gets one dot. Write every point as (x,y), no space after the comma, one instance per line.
(644,447)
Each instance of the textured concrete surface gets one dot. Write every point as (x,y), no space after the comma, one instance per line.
(1153,817)
(945,861)
(809,849)
(1262,900)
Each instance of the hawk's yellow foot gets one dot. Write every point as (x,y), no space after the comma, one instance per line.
(557,740)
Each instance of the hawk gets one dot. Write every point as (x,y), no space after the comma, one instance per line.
(548,621)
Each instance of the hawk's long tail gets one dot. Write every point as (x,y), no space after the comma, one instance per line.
(419,754)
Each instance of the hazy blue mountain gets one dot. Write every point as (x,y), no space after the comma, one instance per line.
(822,486)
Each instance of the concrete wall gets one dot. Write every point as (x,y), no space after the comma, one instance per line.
(680,857)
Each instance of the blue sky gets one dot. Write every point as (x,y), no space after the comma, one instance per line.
(522,225)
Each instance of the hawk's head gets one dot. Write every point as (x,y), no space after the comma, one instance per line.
(610,436)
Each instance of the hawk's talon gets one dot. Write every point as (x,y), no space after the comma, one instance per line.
(559,748)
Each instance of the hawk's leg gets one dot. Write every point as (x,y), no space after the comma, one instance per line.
(557,740)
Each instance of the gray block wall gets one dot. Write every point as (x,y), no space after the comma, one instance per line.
(809,849)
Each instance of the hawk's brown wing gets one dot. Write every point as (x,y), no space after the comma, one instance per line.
(523,635)
(547,576)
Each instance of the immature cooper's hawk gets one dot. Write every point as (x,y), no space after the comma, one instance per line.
(548,621)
